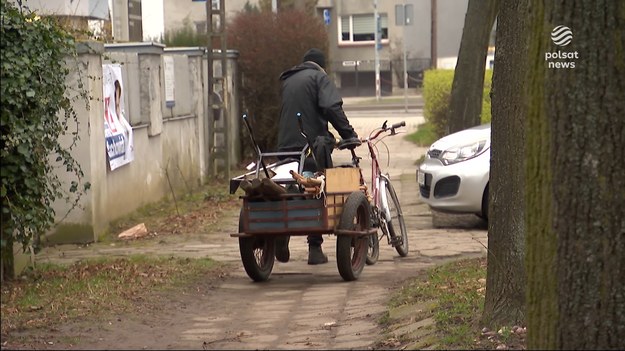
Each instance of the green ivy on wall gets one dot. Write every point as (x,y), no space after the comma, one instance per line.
(36,112)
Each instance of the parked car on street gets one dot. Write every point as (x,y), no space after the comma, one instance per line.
(453,177)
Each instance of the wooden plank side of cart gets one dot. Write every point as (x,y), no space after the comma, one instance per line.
(295,214)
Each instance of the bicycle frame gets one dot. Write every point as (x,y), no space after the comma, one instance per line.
(376,173)
(378,197)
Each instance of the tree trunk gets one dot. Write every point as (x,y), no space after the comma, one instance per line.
(468,85)
(506,279)
(575,178)
(7,259)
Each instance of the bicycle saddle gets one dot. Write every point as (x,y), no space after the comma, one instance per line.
(350,143)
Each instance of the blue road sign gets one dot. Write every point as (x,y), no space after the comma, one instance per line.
(326,16)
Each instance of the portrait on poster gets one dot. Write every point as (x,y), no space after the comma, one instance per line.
(117,130)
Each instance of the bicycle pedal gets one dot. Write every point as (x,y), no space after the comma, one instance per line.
(396,241)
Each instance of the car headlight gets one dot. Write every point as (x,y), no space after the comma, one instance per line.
(464,152)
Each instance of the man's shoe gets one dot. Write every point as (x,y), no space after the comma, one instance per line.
(316,255)
(282,249)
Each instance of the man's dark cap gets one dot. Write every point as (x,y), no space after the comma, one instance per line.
(316,56)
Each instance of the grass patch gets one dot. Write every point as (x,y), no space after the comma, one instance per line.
(425,135)
(96,288)
(458,289)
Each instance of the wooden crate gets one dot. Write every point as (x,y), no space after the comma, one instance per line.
(334,205)
(342,180)
(340,183)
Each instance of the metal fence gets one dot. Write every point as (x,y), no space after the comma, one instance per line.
(357,78)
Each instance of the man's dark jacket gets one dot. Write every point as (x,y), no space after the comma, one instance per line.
(308,90)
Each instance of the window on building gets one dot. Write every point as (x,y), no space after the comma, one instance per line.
(361,28)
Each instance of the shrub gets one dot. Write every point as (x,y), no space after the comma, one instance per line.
(266,49)
(488,82)
(33,51)
(185,35)
(437,95)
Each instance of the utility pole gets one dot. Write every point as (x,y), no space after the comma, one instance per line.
(406,20)
(403,17)
(376,18)
(218,135)
(433,39)
(274,6)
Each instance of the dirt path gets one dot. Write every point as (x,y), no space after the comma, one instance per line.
(300,307)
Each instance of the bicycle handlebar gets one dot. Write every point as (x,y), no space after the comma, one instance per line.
(397,125)
(385,128)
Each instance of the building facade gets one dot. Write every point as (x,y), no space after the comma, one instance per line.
(432,38)
(194,12)
(431,35)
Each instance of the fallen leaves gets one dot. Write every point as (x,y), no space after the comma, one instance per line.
(94,288)
(506,338)
(198,212)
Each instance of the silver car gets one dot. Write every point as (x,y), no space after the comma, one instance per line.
(454,175)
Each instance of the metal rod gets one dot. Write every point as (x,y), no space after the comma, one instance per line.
(258,153)
(378,40)
(405,65)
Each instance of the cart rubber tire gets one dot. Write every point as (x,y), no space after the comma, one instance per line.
(257,254)
(351,250)
(396,225)
(373,250)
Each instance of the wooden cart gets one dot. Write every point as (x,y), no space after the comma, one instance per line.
(343,210)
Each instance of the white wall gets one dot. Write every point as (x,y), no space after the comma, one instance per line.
(94,9)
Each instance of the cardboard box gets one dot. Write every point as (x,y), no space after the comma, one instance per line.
(342,180)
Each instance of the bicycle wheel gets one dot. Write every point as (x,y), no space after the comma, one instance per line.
(257,255)
(373,250)
(395,222)
(351,250)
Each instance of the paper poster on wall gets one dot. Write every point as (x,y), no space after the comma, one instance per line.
(170,79)
(117,130)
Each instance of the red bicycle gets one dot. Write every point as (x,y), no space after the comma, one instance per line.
(386,212)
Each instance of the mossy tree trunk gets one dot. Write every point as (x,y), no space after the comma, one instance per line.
(506,279)
(468,85)
(575,167)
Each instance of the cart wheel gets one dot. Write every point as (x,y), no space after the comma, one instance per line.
(257,255)
(351,251)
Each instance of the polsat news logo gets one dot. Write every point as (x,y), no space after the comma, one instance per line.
(561,36)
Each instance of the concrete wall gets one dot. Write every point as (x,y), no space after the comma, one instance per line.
(85,221)
(170,141)
(449,25)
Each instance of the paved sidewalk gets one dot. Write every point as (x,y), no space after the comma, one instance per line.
(301,306)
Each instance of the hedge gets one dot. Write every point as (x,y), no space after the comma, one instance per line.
(437,95)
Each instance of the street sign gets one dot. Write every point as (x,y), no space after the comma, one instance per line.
(349,63)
